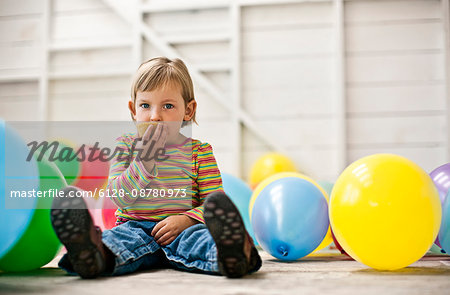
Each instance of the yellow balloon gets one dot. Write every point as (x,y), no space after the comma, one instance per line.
(268,165)
(66,141)
(328,237)
(385,211)
(325,242)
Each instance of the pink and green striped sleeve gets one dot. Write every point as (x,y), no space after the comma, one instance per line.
(208,179)
(126,174)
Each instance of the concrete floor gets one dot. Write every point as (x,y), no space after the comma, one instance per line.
(323,273)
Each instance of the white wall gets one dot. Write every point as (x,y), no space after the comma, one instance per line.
(288,58)
(394,60)
(396,80)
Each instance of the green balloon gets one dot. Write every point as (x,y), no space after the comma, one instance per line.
(39,244)
(65,159)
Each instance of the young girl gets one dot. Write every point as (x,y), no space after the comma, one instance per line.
(188,224)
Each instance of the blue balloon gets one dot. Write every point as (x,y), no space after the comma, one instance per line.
(444,232)
(240,193)
(290,218)
(16,174)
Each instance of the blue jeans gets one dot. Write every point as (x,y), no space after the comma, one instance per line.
(135,249)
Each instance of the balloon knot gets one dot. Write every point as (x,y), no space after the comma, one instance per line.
(283,251)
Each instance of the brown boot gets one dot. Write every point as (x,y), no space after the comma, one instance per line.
(236,253)
(74,227)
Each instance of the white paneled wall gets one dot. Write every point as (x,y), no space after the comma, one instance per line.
(287,72)
(284,53)
(396,80)
(20,28)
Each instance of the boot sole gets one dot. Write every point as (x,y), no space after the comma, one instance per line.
(226,227)
(73,228)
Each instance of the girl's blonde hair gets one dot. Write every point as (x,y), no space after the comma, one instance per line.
(160,72)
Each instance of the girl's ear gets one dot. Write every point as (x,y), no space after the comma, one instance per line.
(190,110)
(132,109)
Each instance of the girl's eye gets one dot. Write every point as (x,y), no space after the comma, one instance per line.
(168,106)
(145,105)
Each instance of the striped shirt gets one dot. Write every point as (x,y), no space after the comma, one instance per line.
(179,183)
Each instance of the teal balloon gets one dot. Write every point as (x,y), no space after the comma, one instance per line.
(444,232)
(240,193)
(16,175)
(436,250)
(327,186)
(290,218)
(65,158)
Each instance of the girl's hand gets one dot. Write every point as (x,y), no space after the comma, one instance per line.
(168,229)
(151,144)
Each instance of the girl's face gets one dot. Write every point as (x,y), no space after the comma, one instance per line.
(164,104)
